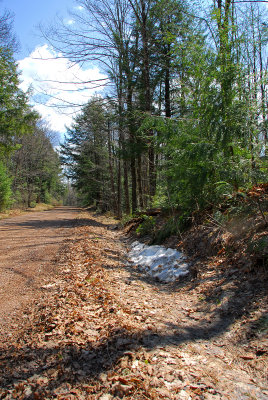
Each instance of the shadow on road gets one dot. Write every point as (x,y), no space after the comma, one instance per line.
(50,219)
(82,362)
(79,364)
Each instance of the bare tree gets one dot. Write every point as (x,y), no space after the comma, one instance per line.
(7,36)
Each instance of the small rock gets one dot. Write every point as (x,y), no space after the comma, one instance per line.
(183,395)
(106,397)
(28,392)
(103,378)
(135,364)
(121,390)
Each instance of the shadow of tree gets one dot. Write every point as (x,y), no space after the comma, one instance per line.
(78,363)
(247,288)
(54,223)
(33,222)
(81,363)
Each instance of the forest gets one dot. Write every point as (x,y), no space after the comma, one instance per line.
(30,170)
(183,121)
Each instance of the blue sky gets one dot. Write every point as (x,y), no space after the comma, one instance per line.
(40,65)
(29,14)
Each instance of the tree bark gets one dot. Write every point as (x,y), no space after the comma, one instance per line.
(167,82)
(111,169)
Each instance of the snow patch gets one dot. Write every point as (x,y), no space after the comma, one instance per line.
(161,263)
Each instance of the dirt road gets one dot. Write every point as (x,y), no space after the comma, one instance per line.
(102,330)
(28,245)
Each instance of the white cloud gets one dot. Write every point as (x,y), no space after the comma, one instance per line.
(70,22)
(79,8)
(52,78)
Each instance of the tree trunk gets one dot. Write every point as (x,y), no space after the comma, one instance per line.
(263,91)
(147,95)
(126,188)
(119,198)
(132,139)
(139,181)
(111,170)
(167,82)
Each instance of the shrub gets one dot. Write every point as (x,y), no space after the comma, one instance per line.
(147,226)
(258,247)
(5,188)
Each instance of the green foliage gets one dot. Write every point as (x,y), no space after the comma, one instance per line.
(36,169)
(187,129)
(47,198)
(16,117)
(24,143)
(5,188)
(126,218)
(161,198)
(147,226)
(207,155)
(224,190)
(259,248)
(172,226)
(85,155)
(262,325)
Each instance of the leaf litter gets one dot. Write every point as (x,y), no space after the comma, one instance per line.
(104,330)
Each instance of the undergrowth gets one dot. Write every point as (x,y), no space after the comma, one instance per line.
(147,226)
(241,217)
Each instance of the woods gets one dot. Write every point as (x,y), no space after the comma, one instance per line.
(184,121)
(29,166)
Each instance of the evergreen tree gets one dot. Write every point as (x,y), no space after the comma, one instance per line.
(5,188)
(85,154)
(15,113)
(16,116)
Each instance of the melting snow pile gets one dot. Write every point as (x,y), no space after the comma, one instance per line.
(166,265)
